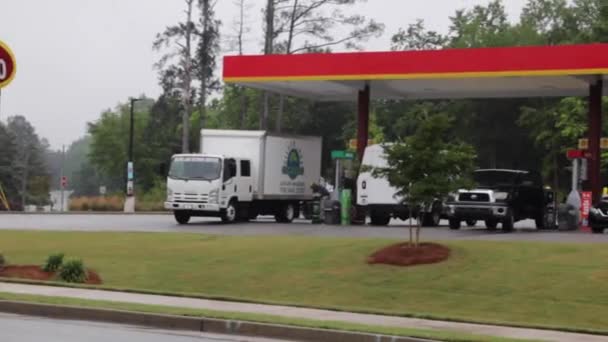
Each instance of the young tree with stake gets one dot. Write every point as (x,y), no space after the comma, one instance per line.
(427,166)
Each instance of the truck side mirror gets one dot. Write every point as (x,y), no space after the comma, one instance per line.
(162,169)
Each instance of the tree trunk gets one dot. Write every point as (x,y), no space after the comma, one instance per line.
(241,26)
(24,177)
(292,26)
(280,113)
(418,228)
(187,86)
(244,106)
(185,129)
(268,49)
(269,34)
(411,231)
(264,121)
(556,172)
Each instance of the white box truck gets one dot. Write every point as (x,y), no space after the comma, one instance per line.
(242,174)
(380,199)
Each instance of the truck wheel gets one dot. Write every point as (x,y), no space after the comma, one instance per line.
(491,224)
(230,215)
(597,230)
(471,223)
(379,219)
(286,214)
(181,217)
(454,224)
(509,222)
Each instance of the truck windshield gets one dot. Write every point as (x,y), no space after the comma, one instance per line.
(491,179)
(195,168)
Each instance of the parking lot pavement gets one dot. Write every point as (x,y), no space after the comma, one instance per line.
(165,223)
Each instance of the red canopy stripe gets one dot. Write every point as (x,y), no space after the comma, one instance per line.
(450,63)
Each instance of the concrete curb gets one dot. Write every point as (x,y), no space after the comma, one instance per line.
(208,325)
(137,213)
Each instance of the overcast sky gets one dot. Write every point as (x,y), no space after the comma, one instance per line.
(76,58)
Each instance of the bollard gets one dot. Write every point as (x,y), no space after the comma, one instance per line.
(345,204)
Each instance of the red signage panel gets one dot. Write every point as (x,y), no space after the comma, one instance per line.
(8,65)
(586,202)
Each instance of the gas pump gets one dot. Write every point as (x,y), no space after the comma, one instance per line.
(337,209)
(578,203)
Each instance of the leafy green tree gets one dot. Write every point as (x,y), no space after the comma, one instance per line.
(29,164)
(552,21)
(177,67)
(206,55)
(109,145)
(417,37)
(428,166)
(8,153)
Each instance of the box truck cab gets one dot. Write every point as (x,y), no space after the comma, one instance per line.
(380,199)
(242,174)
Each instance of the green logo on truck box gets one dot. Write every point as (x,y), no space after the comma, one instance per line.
(293,162)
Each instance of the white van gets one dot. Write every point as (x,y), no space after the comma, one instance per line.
(379,197)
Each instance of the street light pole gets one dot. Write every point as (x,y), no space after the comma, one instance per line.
(131,131)
(130,200)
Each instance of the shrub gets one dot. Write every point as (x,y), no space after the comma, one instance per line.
(100,203)
(53,262)
(153,199)
(2,261)
(73,271)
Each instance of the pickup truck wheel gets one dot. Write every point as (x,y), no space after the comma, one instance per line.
(230,215)
(181,217)
(379,219)
(509,222)
(286,214)
(491,224)
(454,224)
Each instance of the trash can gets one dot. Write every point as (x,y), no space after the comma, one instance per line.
(316,211)
(345,204)
(567,217)
(331,212)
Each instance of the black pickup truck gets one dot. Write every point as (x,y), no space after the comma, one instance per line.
(505,197)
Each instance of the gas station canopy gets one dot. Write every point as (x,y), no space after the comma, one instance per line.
(511,72)
(540,71)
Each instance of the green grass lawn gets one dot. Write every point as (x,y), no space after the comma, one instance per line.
(531,284)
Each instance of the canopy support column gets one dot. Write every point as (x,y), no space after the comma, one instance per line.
(595,134)
(363,121)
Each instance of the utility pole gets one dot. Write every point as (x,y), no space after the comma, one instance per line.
(130,200)
(62,179)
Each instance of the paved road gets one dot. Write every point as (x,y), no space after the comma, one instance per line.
(166,223)
(15,328)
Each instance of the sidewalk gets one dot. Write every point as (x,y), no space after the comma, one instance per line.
(314,314)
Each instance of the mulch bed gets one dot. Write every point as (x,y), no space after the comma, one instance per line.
(404,254)
(36,273)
